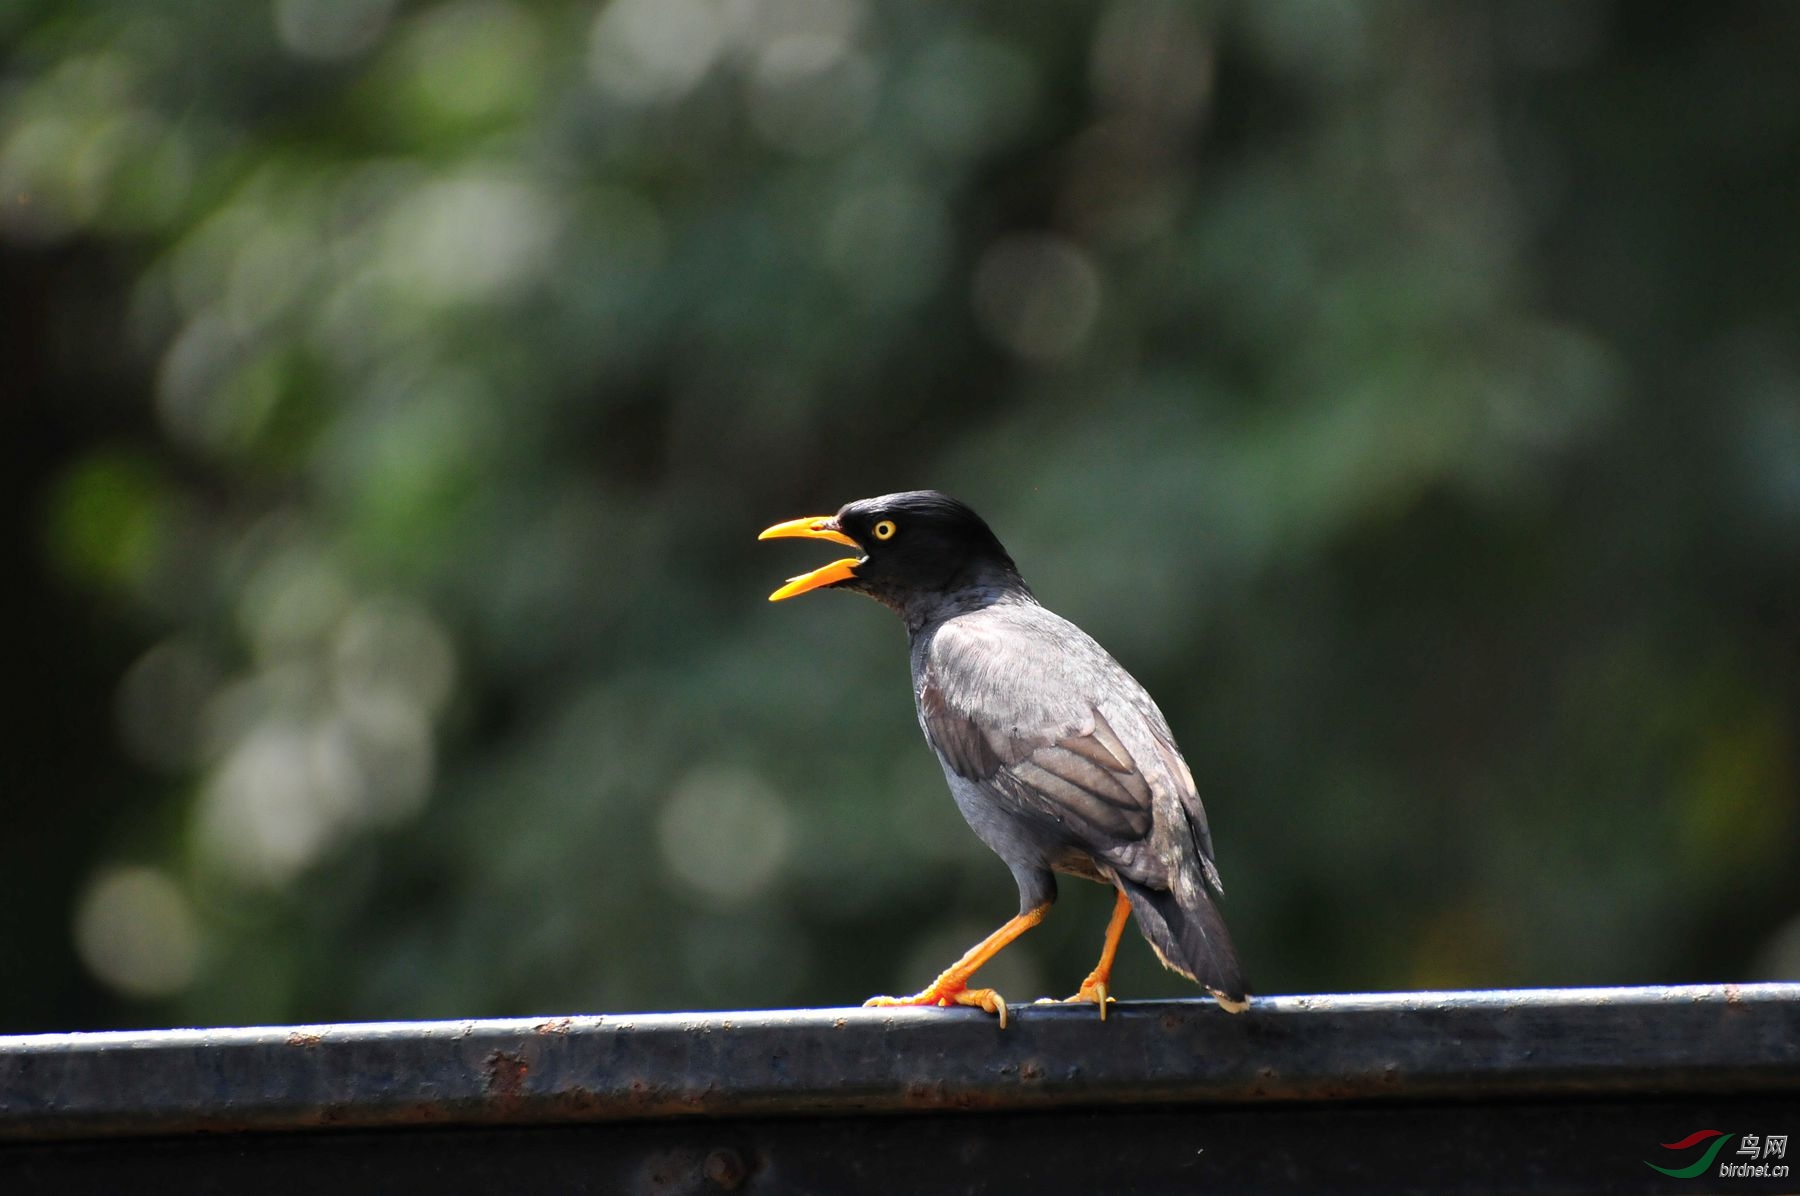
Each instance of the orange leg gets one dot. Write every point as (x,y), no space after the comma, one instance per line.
(1094,987)
(952,985)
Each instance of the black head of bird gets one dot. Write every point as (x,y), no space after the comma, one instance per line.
(1056,756)
(920,549)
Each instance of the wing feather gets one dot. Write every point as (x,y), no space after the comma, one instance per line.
(1052,751)
(1069,775)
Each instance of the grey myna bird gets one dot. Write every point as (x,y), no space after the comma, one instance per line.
(1056,756)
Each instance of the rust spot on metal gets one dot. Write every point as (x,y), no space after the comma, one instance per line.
(726,1169)
(580,1103)
(935,1094)
(924,1093)
(1734,997)
(304,1038)
(557,1025)
(667,1171)
(684,1172)
(646,1098)
(506,1076)
(1031,1070)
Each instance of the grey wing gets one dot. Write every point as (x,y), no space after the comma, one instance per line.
(1078,777)
(1187,794)
(1100,773)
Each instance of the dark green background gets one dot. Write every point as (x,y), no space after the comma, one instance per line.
(1409,394)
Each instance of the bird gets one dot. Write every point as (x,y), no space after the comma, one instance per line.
(1058,759)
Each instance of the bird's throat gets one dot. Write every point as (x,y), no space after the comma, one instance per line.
(923,609)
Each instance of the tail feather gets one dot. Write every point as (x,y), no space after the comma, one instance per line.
(1190,938)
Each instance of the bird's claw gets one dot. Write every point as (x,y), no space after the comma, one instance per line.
(979,998)
(1093,991)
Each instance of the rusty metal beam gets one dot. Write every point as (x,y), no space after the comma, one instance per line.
(1548,1091)
(1404,1046)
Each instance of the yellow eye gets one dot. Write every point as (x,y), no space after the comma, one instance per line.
(884,530)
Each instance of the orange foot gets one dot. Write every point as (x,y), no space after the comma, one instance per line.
(1091,990)
(947,995)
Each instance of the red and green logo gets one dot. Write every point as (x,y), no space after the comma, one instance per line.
(1698,1167)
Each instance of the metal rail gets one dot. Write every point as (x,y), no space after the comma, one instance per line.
(1159,1086)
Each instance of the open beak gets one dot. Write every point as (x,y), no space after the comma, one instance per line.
(814,527)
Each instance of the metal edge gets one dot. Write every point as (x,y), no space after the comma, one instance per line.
(1369,1046)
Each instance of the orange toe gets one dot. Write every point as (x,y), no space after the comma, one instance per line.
(945,996)
(1092,990)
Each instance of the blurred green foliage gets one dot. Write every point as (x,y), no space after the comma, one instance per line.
(1408,393)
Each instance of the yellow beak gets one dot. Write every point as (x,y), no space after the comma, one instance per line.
(813,527)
